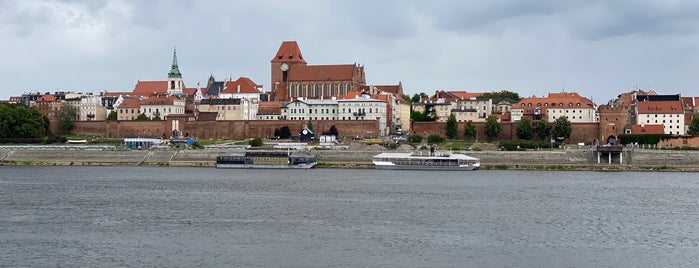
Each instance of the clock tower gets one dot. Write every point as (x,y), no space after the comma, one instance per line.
(288,56)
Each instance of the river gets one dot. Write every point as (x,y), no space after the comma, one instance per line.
(186,217)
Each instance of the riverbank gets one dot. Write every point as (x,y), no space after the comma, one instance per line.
(571,159)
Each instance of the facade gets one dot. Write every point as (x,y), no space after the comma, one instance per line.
(89,107)
(667,113)
(473,109)
(230,109)
(576,108)
(292,77)
(161,107)
(49,106)
(359,108)
(128,109)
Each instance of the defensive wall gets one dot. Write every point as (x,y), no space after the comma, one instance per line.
(581,132)
(234,129)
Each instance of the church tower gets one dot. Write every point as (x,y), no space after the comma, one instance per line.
(174,77)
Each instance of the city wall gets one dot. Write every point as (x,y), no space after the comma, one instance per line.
(582,132)
(237,129)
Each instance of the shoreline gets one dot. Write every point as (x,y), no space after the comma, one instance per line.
(568,160)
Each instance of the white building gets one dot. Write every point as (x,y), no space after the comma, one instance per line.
(670,114)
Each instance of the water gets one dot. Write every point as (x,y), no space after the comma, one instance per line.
(185,217)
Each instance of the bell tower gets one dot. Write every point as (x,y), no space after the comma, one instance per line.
(174,77)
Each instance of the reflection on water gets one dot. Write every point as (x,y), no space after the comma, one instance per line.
(126,216)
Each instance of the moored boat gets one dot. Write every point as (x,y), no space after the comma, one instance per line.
(266,159)
(426,161)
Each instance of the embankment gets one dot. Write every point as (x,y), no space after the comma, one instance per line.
(572,159)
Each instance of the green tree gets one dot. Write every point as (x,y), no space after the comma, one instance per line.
(415,139)
(451,128)
(434,138)
(492,127)
(256,142)
(543,129)
(20,121)
(66,118)
(333,131)
(142,117)
(418,97)
(406,98)
(504,94)
(284,132)
(156,118)
(469,130)
(694,126)
(112,116)
(524,128)
(561,128)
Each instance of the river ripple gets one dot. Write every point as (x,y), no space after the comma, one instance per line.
(184,217)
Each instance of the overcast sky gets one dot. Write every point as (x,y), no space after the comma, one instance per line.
(597,48)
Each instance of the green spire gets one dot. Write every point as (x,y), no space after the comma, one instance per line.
(175,70)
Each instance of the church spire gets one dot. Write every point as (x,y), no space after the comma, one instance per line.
(175,70)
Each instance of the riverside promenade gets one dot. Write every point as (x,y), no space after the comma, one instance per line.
(569,159)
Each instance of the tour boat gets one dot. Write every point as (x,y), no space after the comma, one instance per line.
(426,161)
(266,159)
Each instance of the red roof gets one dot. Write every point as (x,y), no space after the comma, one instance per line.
(46,98)
(395,89)
(147,88)
(114,94)
(289,51)
(647,129)
(465,95)
(558,100)
(189,90)
(340,72)
(246,86)
(660,107)
(129,103)
(159,101)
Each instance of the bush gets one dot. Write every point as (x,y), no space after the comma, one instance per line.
(256,142)
(415,139)
(197,145)
(642,138)
(434,138)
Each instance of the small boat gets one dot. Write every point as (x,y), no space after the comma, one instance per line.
(266,159)
(432,160)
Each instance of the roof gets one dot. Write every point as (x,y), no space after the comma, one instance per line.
(46,98)
(648,129)
(214,88)
(339,72)
(170,100)
(554,100)
(395,89)
(207,116)
(464,94)
(269,107)
(220,102)
(129,103)
(241,85)
(147,88)
(113,93)
(190,90)
(660,107)
(289,51)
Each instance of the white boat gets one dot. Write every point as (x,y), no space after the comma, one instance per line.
(266,159)
(426,161)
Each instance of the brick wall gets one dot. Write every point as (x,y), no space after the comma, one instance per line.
(235,129)
(582,132)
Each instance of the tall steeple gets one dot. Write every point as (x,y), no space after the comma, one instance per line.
(174,77)
(174,70)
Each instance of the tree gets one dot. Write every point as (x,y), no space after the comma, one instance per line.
(156,118)
(20,121)
(543,129)
(112,116)
(469,130)
(492,127)
(504,94)
(524,128)
(406,98)
(561,128)
(256,142)
(142,117)
(694,126)
(66,118)
(451,127)
(434,138)
(333,131)
(284,133)
(418,97)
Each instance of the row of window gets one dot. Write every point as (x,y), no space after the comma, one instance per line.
(656,121)
(327,118)
(138,111)
(570,104)
(312,89)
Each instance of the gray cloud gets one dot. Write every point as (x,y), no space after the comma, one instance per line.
(596,47)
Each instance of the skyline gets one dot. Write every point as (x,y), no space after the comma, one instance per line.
(598,50)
